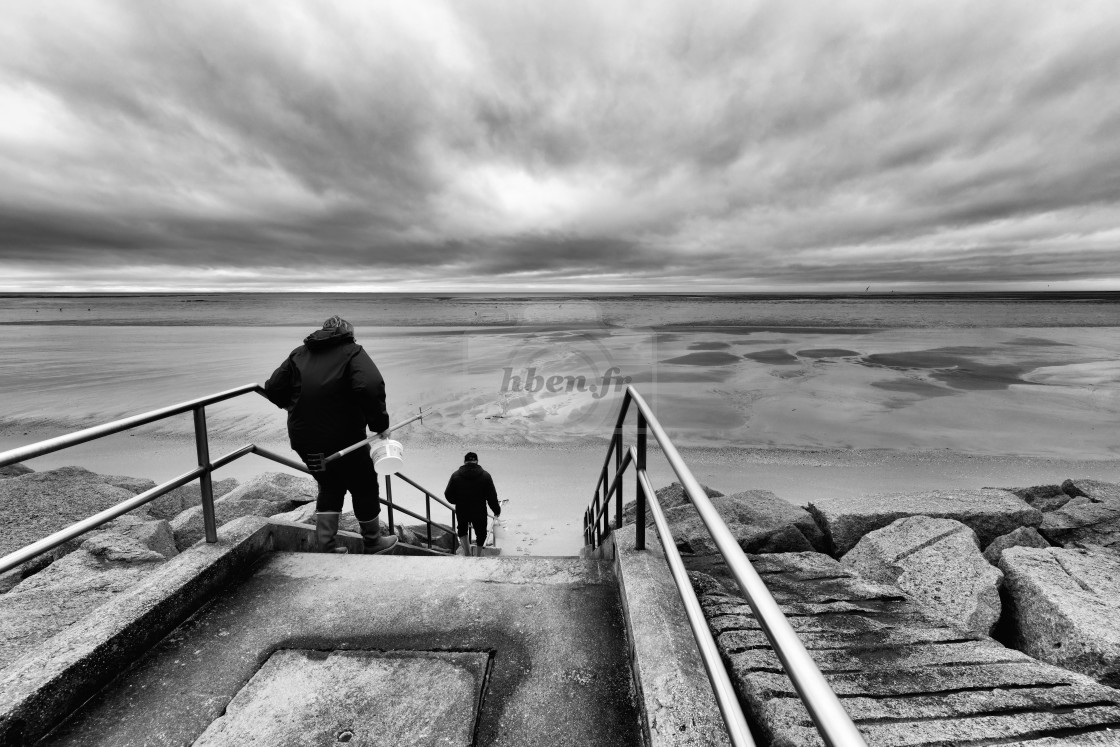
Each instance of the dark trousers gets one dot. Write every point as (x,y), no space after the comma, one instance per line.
(354,473)
(472,518)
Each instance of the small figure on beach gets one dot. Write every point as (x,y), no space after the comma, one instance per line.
(470,490)
(332,391)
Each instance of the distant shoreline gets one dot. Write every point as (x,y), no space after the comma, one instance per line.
(1111,296)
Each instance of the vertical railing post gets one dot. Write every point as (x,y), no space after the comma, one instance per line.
(617,469)
(605,519)
(454,532)
(205,484)
(595,520)
(389,500)
(618,504)
(428,513)
(640,498)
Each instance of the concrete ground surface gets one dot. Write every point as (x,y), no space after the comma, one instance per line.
(447,651)
(302,697)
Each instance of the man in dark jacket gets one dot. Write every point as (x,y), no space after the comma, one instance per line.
(332,391)
(470,490)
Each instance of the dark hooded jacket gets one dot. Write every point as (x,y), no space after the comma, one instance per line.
(470,489)
(332,391)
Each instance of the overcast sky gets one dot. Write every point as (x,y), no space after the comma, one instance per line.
(465,145)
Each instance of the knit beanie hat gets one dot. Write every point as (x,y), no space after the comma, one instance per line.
(337,322)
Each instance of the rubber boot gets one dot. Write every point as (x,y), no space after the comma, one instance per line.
(326,532)
(373,542)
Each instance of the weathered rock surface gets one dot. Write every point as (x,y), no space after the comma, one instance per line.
(1021,537)
(15,470)
(989,512)
(1094,490)
(109,562)
(1091,516)
(154,534)
(134,485)
(349,522)
(1103,736)
(1082,522)
(760,521)
(417,534)
(171,504)
(33,566)
(904,676)
(189,526)
(37,504)
(1064,605)
(304,514)
(281,488)
(936,561)
(670,496)
(1043,497)
(114,546)
(267,494)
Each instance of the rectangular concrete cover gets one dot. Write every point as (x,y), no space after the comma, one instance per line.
(301,697)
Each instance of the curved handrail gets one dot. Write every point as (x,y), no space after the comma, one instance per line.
(832,721)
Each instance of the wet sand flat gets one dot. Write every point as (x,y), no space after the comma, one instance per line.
(540,406)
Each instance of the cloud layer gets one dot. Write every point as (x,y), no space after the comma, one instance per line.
(486,145)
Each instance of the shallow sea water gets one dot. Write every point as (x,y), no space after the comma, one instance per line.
(535,382)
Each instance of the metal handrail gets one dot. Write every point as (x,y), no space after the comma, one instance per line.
(99,431)
(832,721)
(202,472)
(724,690)
(35,549)
(449,507)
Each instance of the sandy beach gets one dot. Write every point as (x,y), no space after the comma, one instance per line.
(812,413)
(548,488)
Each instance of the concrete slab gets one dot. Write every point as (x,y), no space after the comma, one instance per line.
(674,690)
(56,676)
(358,698)
(553,626)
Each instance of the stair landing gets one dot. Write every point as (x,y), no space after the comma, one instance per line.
(361,650)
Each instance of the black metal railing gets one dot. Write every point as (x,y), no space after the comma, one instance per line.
(832,721)
(202,473)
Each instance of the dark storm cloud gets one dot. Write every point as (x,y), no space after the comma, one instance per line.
(748,145)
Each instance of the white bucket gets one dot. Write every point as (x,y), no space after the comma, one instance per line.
(388,457)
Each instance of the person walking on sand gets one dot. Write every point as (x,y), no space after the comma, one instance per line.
(470,490)
(332,391)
